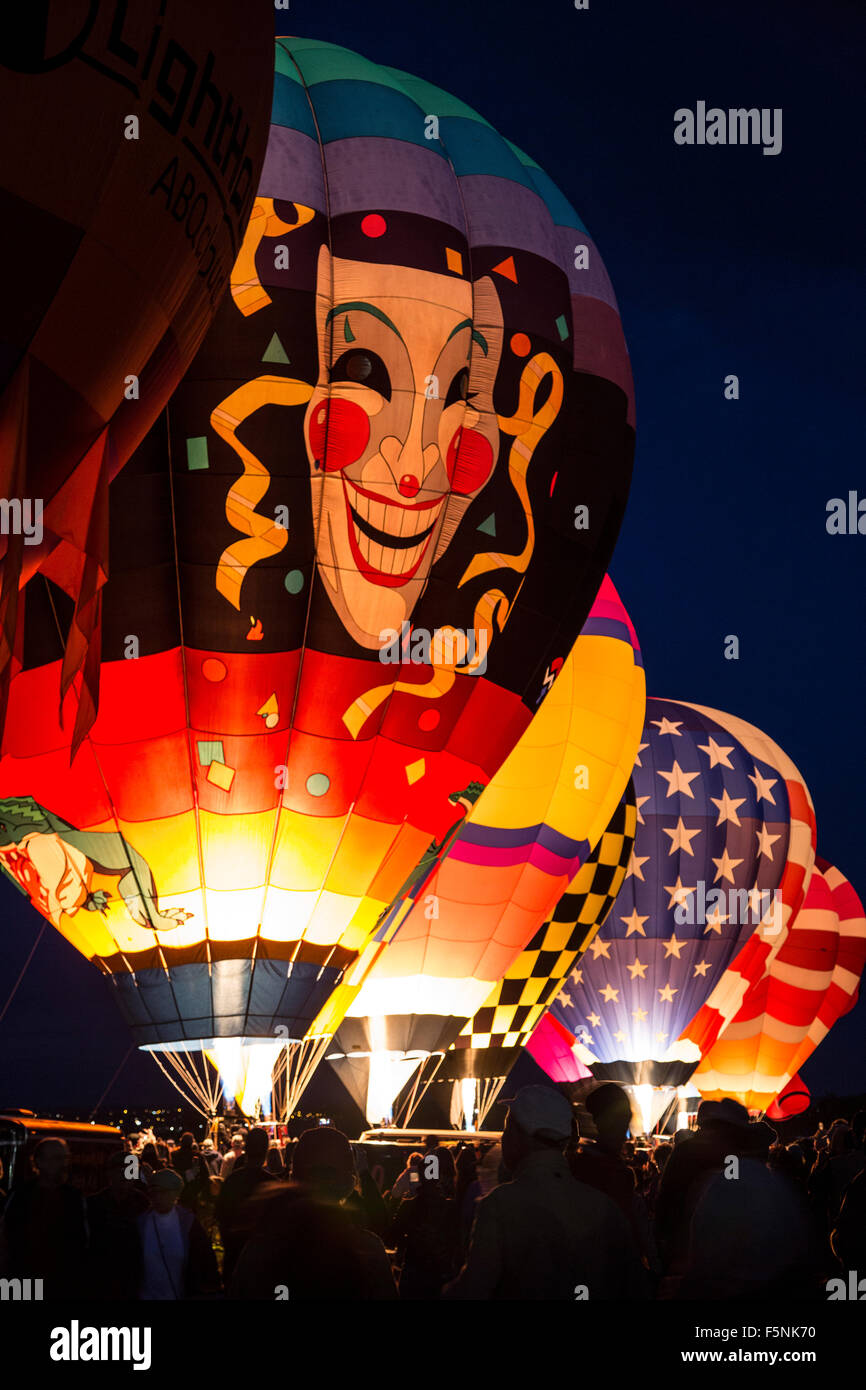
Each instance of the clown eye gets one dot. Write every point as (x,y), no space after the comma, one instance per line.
(459,389)
(364,369)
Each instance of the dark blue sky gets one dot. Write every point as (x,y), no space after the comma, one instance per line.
(724,260)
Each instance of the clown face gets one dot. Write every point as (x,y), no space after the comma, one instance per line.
(400,431)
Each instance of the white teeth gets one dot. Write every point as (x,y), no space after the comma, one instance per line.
(394,521)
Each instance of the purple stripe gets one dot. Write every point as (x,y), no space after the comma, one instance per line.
(594,280)
(502,213)
(535,855)
(367,172)
(498,837)
(293,169)
(606,627)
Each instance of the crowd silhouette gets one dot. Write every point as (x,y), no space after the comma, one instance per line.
(725,1211)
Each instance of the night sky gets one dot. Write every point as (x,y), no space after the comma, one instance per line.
(724,260)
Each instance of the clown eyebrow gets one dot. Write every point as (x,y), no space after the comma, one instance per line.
(365,308)
(476,336)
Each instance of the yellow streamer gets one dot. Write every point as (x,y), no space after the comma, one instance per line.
(266,537)
(247,290)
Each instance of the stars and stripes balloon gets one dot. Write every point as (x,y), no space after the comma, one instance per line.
(710,851)
(753,960)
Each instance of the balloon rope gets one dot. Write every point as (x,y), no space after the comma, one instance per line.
(24,969)
(112,1081)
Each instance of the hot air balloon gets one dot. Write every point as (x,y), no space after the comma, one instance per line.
(793,1100)
(133,143)
(811,981)
(552,1047)
(479,898)
(491,1042)
(752,962)
(348,567)
(710,853)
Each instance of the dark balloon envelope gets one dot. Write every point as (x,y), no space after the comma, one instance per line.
(132,145)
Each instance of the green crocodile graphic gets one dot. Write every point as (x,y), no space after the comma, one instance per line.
(53,863)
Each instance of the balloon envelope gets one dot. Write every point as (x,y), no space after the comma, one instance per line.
(133,143)
(346,567)
(709,853)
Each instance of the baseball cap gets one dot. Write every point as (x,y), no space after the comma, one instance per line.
(541,1112)
(166,1179)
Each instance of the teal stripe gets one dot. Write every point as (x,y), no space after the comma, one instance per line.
(291,107)
(561,210)
(432,100)
(348,109)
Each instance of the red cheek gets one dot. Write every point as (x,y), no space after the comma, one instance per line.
(469,461)
(339,433)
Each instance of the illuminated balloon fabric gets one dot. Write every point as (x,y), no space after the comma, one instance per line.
(811,981)
(844,988)
(258,785)
(474,906)
(752,962)
(702,822)
(794,1100)
(552,1047)
(752,1058)
(118,242)
(491,1042)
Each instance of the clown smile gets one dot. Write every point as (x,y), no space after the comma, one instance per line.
(388,540)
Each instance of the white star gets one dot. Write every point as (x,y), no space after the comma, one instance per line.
(599,948)
(716,753)
(634,922)
(639,1014)
(673,947)
(763,785)
(714,920)
(635,865)
(595,1019)
(619,1037)
(640,801)
(660,1037)
(563,997)
(636,969)
(576,975)
(679,893)
(681,838)
(702,967)
(637,761)
(668,726)
(678,780)
(610,995)
(727,807)
(766,842)
(666,995)
(725,866)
